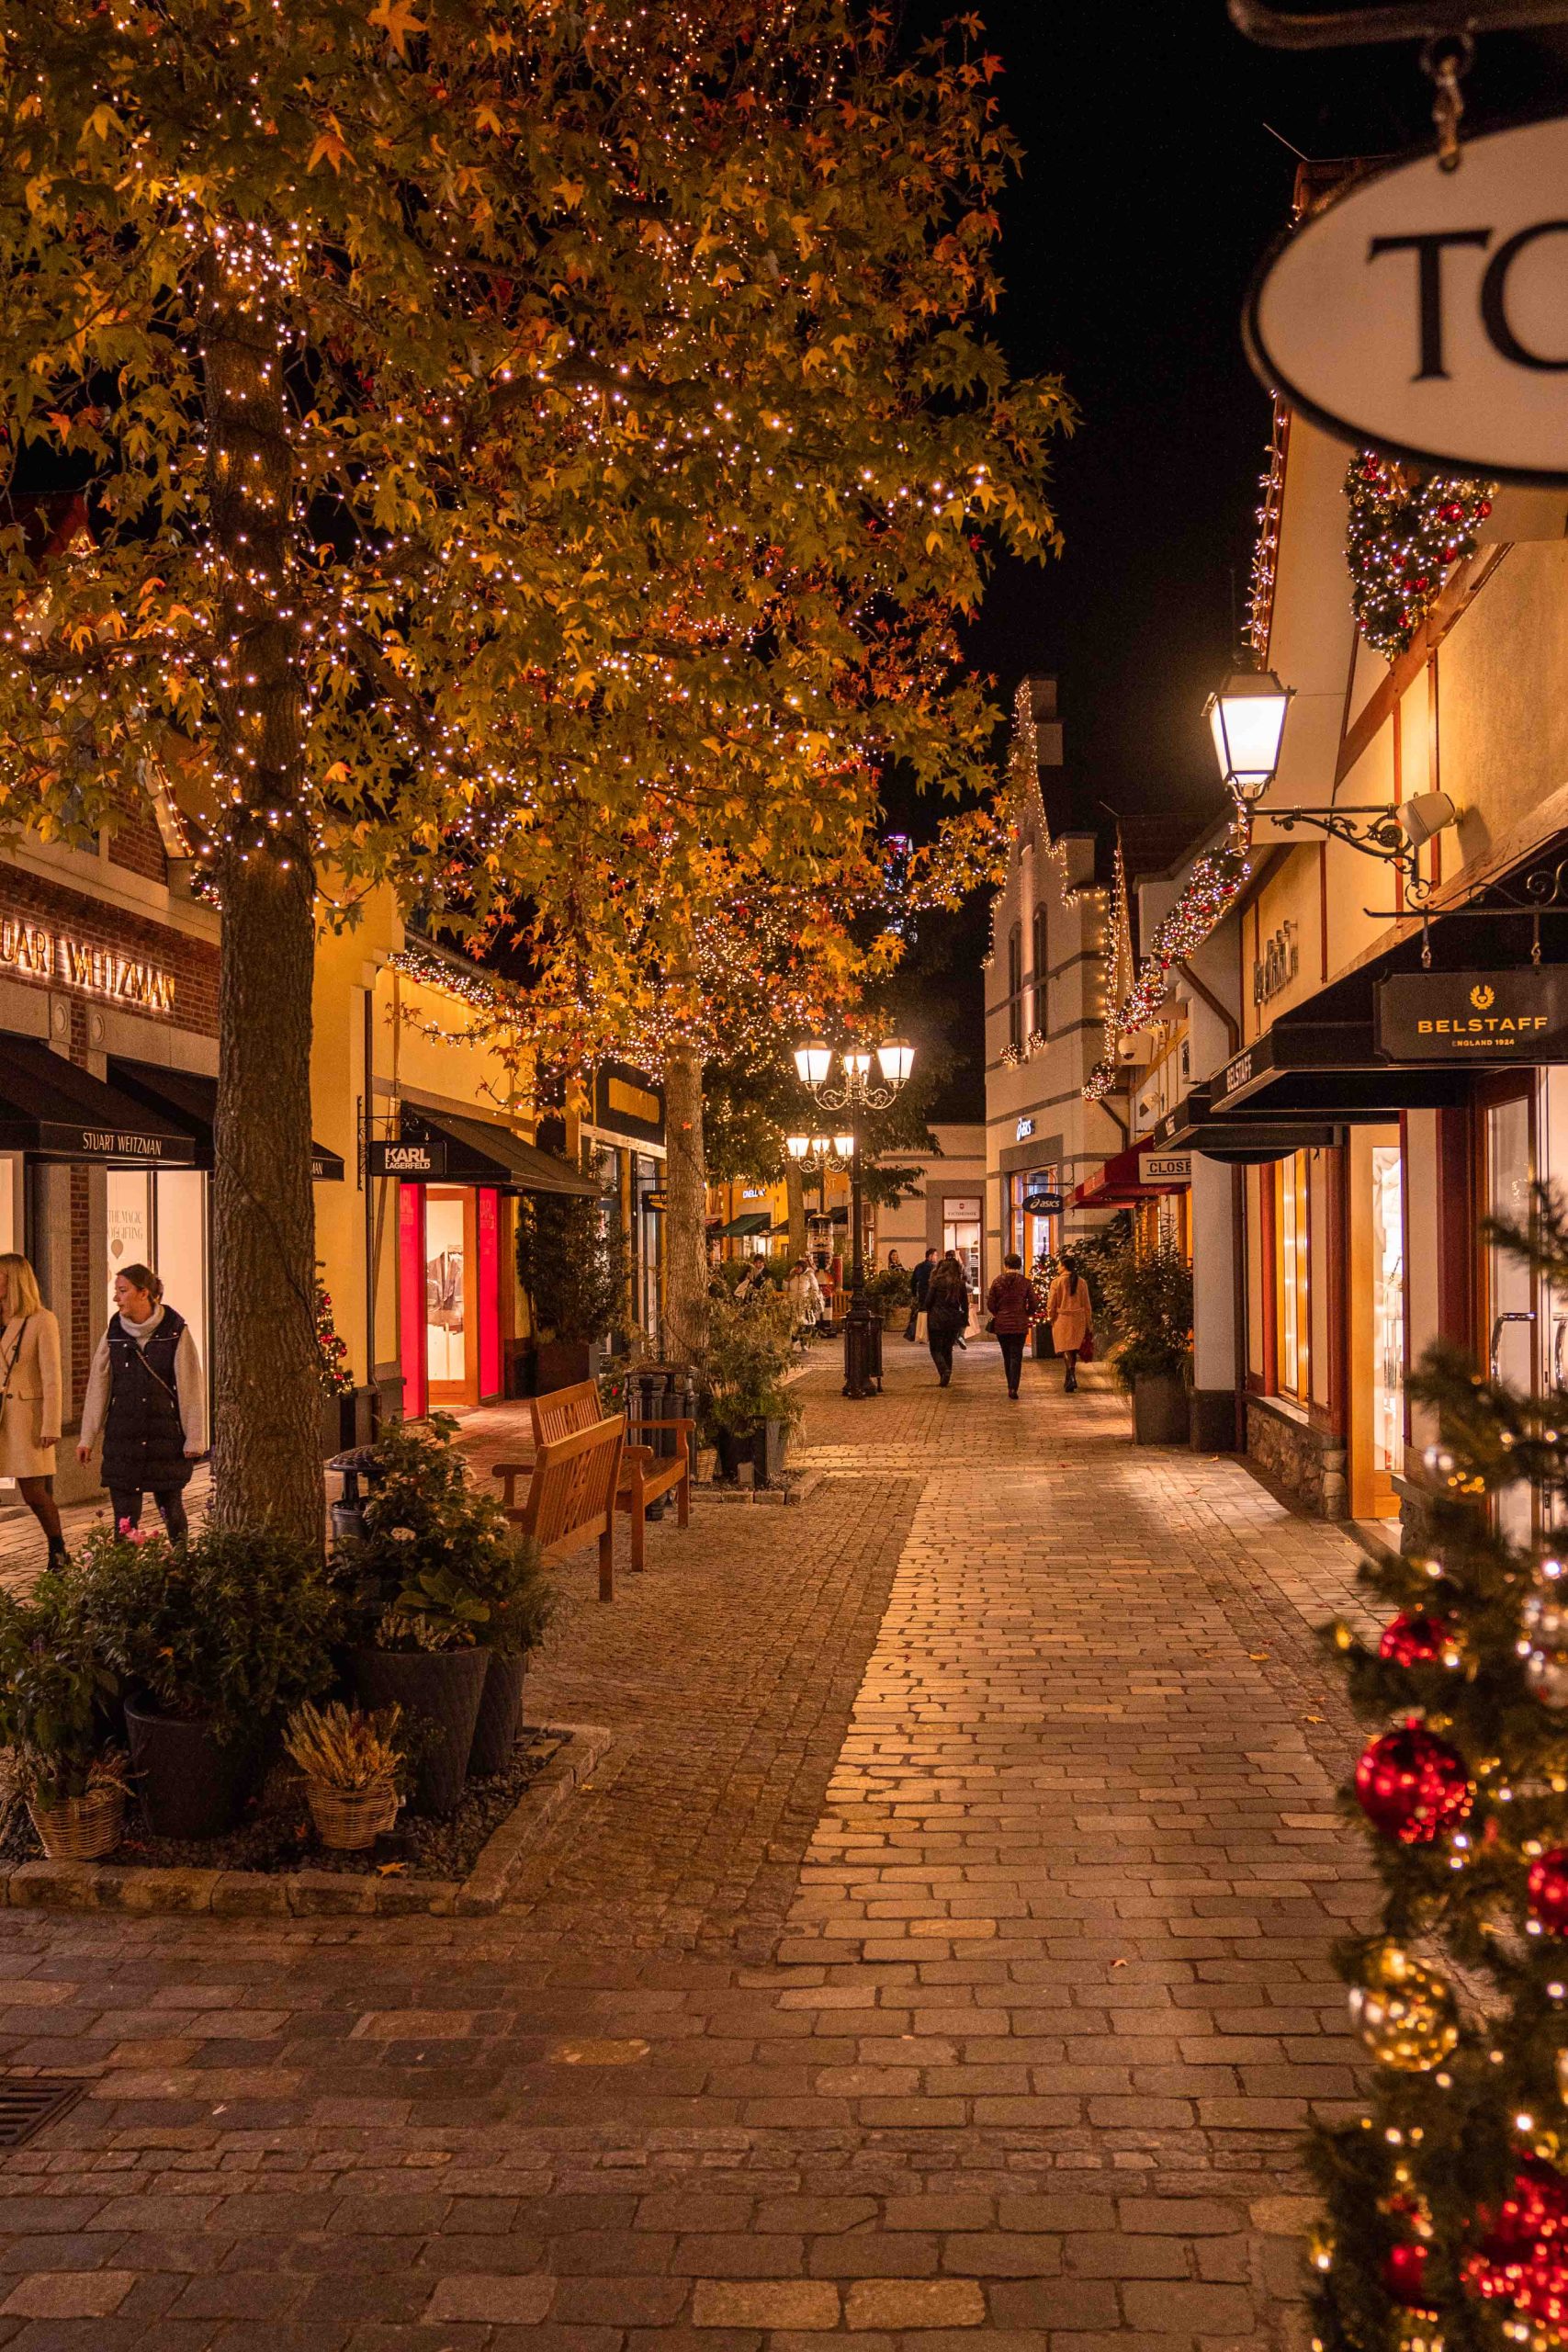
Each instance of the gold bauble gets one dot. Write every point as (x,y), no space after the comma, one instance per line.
(1404,2012)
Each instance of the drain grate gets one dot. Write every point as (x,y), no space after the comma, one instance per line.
(26,2107)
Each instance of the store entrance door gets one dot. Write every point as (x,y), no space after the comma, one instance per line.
(1509,1319)
(451,1256)
(1377,1321)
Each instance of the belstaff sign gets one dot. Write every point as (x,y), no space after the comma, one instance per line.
(1426,311)
(1483,1017)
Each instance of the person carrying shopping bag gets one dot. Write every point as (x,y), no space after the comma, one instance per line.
(30,1400)
(919,1283)
(1071,1313)
(146,1395)
(1010,1303)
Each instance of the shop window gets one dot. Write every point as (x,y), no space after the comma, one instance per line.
(160,1221)
(1387,1312)
(446,1279)
(1015,989)
(1292,1315)
(1040,1022)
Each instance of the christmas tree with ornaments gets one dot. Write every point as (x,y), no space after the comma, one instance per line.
(1446,2222)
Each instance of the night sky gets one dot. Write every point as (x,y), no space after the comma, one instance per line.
(1154,176)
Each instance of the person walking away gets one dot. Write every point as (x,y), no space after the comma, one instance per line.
(920,1284)
(947,1311)
(1071,1317)
(147,1399)
(30,1400)
(1010,1303)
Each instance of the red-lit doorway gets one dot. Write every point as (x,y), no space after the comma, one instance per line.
(451,1313)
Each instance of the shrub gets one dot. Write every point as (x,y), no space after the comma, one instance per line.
(439,1564)
(235,1629)
(889,1286)
(743,1368)
(1151,1294)
(54,1685)
(571,1261)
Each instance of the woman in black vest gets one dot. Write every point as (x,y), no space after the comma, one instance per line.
(146,1395)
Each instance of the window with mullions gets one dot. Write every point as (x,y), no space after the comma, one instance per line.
(1039,1023)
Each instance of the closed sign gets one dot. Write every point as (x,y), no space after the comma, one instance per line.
(1164,1168)
(1426,311)
(1482,1017)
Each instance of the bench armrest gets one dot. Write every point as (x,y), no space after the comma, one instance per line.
(510,1472)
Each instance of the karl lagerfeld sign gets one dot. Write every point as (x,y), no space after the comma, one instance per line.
(1485,1017)
(1426,311)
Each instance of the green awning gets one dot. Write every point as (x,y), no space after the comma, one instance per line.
(741,1229)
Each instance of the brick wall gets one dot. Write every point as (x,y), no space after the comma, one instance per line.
(193,962)
(137,845)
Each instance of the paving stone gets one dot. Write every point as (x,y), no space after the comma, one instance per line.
(764,2302)
(915,2302)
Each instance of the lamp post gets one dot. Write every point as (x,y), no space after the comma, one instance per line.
(856,1090)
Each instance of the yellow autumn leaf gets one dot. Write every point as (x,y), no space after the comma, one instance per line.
(330,148)
(397,19)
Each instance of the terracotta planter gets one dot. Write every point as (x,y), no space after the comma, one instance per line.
(500,1715)
(349,1820)
(1160,1409)
(190,1784)
(439,1692)
(81,1829)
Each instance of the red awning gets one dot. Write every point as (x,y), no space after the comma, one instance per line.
(1119,1181)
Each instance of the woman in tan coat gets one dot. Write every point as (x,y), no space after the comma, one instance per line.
(29,1395)
(1071,1316)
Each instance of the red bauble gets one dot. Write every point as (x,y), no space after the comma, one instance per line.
(1413,1786)
(1404,2271)
(1524,2259)
(1549,1890)
(1413,1640)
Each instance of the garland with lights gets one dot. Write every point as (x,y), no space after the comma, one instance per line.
(1447,2200)
(1265,547)
(1215,881)
(1403,535)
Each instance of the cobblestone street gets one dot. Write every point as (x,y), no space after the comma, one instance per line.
(942,1945)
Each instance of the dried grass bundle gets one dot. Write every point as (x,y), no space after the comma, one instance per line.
(344,1749)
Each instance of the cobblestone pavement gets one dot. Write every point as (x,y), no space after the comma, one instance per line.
(942,1946)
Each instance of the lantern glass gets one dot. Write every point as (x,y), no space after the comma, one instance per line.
(797,1146)
(857,1062)
(897,1057)
(821,1146)
(844,1145)
(814,1061)
(1247,718)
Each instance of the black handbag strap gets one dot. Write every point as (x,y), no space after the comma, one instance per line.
(11,1361)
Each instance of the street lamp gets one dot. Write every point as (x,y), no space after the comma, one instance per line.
(1247,717)
(857,1090)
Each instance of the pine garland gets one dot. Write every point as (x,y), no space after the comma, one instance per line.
(1405,534)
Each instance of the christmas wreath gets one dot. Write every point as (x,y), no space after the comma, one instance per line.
(1404,532)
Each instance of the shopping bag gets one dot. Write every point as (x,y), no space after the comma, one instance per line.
(1086,1352)
(920,1327)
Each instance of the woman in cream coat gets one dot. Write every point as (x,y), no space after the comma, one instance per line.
(29,1388)
(1070,1311)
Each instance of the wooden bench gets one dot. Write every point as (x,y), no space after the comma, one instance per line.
(645,1477)
(572,1483)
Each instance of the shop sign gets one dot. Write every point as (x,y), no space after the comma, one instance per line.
(408,1160)
(1425,310)
(1164,1168)
(625,1103)
(1233,1078)
(1277,965)
(1492,1017)
(60,960)
(660,1201)
(58,1141)
(1043,1204)
(1025,1130)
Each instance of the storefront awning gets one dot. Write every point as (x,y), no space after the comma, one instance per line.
(1236,1142)
(1330,1070)
(190,1098)
(50,1107)
(446,1149)
(1139,1173)
(741,1229)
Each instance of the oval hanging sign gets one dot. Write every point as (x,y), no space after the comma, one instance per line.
(1426,311)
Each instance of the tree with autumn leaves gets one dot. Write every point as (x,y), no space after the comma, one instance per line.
(492,434)
(1447,2198)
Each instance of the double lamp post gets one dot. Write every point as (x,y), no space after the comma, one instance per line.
(854,1092)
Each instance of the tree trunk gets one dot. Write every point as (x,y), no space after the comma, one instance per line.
(267,1468)
(685,1240)
(795,1193)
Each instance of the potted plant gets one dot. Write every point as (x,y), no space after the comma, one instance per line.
(54,1687)
(214,1640)
(890,1292)
(350,1767)
(571,1261)
(747,1408)
(1151,1294)
(448,1600)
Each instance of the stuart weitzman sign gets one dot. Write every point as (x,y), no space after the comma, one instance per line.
(1508,1016)
(1426,311)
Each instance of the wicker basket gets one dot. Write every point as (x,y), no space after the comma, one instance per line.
(350,1819)
(81,1829)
